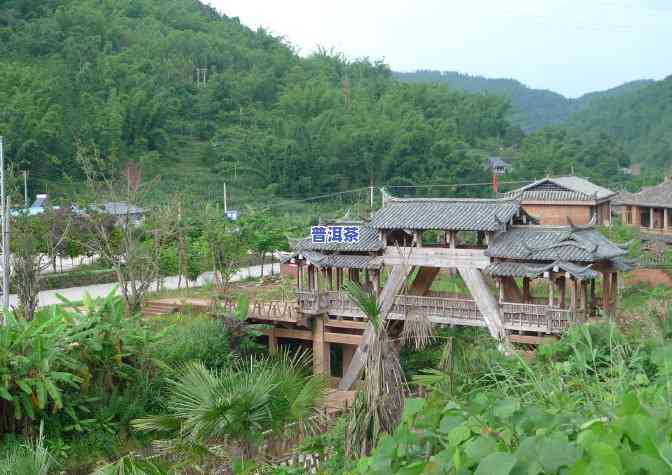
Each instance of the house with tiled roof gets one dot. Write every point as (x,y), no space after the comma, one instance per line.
(564,200)
(651,210)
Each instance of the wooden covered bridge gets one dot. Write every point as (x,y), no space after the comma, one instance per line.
(496,248)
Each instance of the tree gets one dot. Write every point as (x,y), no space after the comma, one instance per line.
(34,239)
(117,237)
(225,245)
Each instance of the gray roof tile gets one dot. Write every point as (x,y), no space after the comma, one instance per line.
(533,270)
(349,261)
(564,188)
(659,195)
(445,213)
(541,243)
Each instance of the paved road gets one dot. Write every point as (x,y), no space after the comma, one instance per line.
(48,297)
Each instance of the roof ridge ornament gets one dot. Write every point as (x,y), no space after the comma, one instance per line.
(582,227)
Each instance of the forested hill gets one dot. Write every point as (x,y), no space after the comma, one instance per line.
(641,120)
(120,75)
(532,108)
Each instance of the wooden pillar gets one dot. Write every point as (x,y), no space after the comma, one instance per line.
(376,281)
(311,279)
(330,278)
(592,297)
(348,353)
(583,300)
(526,290)
(272,343)
(666,223)
(551,291)
(321,353)
(299,276)
(339,278)
(453,239)
(417,237)
(606,293)
(562,289)
(650,218)
(572,299)
(500,284)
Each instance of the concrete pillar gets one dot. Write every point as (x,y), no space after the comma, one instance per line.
(321,353)
(551,291)
(666,223)
(650,218)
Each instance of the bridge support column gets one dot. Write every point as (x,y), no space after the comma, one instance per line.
(321,353)
(606,293)
(272,343)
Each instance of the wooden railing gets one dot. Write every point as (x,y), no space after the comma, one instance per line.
(448,310)
(276,310)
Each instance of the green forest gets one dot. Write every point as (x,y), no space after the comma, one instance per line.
(198,99)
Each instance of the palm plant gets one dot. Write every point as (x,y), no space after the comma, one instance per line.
(378,409)
(228,412)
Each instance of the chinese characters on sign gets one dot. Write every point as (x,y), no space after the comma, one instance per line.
(327,234)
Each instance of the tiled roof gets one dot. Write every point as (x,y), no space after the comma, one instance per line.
(564,188)
(349,261)
(496,162)
(659,195)
(369,241)
(540,243)
(445,213)
(533,270)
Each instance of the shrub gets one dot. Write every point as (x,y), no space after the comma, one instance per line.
(197,338)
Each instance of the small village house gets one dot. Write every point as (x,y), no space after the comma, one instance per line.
(651,210)
(566,200)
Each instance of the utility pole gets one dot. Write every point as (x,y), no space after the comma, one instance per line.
(225,207)
(371,196)
(25,188)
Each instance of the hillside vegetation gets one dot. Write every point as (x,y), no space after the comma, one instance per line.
(532,109)
(641,120)
(122,75)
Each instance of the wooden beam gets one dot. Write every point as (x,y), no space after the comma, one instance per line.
(487,304)
(392,287)
(343,338)
(526,290)
(511,290)
(532,340)
(423,280)
(272,343)
(351,324)
(436,257)
(348,353)
(289,333)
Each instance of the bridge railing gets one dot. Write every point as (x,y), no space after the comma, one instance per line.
(517,316)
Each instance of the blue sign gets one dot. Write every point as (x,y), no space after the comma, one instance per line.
(329,234)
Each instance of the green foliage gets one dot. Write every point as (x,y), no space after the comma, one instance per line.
(30,458)
(237,404)
(196,339)
(640,120)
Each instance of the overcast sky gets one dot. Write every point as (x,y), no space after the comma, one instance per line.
(568,46)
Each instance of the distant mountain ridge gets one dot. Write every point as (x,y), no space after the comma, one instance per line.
(533,109)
